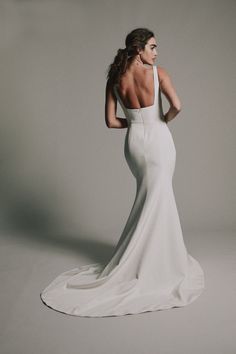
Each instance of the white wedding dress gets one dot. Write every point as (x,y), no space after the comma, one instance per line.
(150,268)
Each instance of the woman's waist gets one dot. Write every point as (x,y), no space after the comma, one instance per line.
(146,121)
(141,117)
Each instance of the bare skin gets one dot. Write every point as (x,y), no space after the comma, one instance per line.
(136,87)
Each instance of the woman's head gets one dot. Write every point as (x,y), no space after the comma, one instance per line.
(140,44)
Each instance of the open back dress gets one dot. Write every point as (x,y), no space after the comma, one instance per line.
(150,268)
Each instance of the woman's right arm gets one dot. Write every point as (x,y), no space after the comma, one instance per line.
(168,90)
(112,121)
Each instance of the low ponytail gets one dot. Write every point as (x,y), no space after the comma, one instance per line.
(118,67)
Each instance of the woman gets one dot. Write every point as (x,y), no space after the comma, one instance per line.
(150,268)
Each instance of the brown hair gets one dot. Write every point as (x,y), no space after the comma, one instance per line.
(135,40)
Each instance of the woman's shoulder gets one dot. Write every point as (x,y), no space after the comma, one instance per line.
(162,73)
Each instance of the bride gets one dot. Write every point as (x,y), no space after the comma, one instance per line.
(150,268)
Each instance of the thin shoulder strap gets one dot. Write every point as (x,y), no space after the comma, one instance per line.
(155,82)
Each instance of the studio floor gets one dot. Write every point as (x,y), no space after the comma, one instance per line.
(28,262)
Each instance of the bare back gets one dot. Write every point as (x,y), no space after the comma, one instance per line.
(136,87)
(136,91)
